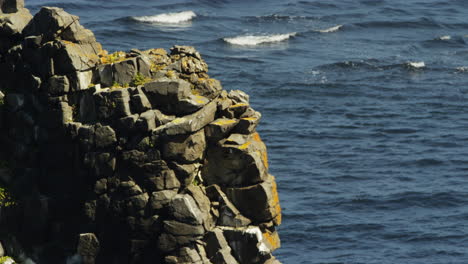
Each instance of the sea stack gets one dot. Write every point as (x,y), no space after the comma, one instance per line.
(129,157)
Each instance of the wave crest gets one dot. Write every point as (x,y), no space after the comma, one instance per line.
(329,30)
(168,18)
(252,40)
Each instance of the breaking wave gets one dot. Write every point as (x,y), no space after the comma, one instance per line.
(253,40)
(329,30)
(168,18)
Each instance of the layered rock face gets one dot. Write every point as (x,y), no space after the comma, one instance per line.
(135,157)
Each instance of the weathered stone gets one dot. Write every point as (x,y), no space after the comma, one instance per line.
(162,119)
(173,96)
(100,187)
(182,229)
(129,188)
(144,65)
(88,248)
(229,215)
(105,136)
(101,163)
(239,97)
(14,23)
(185,148)
(210,88)
(127,124)
(239,161)
(185,50)
(217,248)
(137,202)
(147,121)
(184,209)
(124,71)
(11,6)
(247,244)
(193,65)
(186,172)
(71,57)
(190,123)
(58,85)
(80,80)
(106,75)
(120,102)
(203,202)
(220,128)
(140,102)
(258,202)
(159,200)
(247,125)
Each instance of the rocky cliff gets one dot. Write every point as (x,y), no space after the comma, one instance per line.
(130,157)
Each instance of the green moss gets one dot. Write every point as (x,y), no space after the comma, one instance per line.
(139,79)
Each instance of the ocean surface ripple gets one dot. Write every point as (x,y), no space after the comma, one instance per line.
(365,112)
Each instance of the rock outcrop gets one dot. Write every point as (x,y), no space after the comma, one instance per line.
(130,157)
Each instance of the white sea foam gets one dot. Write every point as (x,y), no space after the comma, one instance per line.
(332,29)
(462,69)
(447,37)
(252,40)
(168,18)
(416,64)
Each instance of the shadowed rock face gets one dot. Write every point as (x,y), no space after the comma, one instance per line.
(135,157)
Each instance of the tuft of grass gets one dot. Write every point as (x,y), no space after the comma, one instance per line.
(115,57)
(139,79)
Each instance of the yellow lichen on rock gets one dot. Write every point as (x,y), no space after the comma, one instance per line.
(245,145)
(272,239)
(224,122)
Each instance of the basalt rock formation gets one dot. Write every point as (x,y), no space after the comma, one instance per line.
(130,157)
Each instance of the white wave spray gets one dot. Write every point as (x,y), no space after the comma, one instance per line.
(330,30)
(252,40)
(416,64)
(168,18)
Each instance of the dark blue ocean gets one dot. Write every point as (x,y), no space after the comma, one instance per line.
(365,111)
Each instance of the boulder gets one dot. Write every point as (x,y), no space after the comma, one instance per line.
(105,136)
(228,214)
(217,248)
(159,200)
(239,160)
(258,202)
(190,123)
(88,247)
(184,209)
(220,128)
(173,96)
(58,85)
(185,148)
(123,72)
(182,229)
(247,244)
(13,24)
(11,6)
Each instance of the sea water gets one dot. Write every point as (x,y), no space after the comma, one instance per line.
(365,111)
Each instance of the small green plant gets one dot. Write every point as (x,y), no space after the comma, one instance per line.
(6,259)
(6,199)
(139,79)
